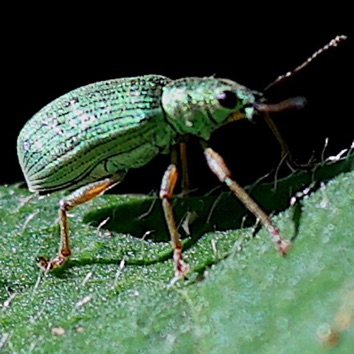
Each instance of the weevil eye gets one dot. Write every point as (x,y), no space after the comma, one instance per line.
(227,99)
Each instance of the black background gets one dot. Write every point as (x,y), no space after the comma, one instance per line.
(47,52)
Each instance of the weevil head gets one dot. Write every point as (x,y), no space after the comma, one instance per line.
(198,106)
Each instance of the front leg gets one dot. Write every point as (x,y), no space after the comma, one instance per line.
(218,166)
(80,196)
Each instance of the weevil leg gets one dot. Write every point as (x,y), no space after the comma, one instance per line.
(80,196)
(286,153)
(218,166)
(184,167)
(166,192)
(179,156)
(284,146)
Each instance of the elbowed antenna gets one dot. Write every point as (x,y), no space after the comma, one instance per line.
(295,102)
(332,43)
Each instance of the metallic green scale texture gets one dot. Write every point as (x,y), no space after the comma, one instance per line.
(104,129)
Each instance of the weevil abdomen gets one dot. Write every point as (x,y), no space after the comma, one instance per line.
(93,132)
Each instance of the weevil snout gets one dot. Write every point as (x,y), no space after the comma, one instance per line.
(298,102)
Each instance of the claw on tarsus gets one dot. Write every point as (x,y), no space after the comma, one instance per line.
(47,265)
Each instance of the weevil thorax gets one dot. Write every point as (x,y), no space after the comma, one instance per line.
(198,106)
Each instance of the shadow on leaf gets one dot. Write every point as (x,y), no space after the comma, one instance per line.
(143,217)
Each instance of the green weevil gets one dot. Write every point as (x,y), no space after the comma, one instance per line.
(86,140)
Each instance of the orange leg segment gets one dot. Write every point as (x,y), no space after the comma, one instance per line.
(219,168)
(166,191)
(80,196)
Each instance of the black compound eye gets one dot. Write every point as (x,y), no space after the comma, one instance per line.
(227,99)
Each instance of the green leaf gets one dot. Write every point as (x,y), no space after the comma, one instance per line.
(241,295)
